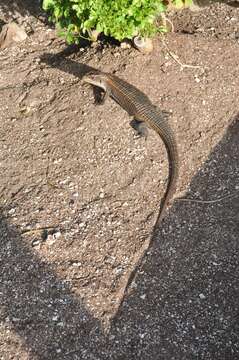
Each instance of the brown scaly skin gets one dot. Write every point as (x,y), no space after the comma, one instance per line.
(143,113)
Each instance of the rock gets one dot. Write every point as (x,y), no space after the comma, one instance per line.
(202,296)
(125,44)
(144,45)
(51,238)
(35,242)
(11,33)
(94,34)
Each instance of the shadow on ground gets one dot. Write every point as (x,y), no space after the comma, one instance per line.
(69,66)
(22,7)
(233,3)
(184,304)
(37,305)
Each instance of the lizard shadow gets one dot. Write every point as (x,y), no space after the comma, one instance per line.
(61,62)
(69,66)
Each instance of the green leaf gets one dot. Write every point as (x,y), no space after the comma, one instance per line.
(179,4)
(69,38)
(188,2)
(119,18)
(48,4)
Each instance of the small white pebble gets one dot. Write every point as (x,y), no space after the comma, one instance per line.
(56,235)
(35,242)
(76,264)
(50,240)
(125,45)
(60,324)
(57,161)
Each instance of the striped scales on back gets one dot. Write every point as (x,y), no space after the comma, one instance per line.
(144,114)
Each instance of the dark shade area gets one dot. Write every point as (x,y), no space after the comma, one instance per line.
(185,304)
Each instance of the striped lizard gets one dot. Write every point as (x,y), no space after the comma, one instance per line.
(142,113)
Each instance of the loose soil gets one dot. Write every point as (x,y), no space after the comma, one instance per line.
(76,172)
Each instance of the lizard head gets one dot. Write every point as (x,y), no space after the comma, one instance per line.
(97,79)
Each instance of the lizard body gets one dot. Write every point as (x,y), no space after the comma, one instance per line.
(143,112)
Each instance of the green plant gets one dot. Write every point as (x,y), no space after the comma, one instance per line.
(117,18)
(181,3)
(120,19)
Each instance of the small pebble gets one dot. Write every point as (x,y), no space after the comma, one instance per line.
(125,45)
(35,242)
(56,235)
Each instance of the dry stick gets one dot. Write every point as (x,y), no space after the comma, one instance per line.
(165,20)
(175,57)
(208,201)
(30,231)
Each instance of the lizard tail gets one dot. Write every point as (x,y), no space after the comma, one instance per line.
(173,160)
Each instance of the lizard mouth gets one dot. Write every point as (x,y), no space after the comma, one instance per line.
(89,77)
(86,78)
(89,80)
(93,79)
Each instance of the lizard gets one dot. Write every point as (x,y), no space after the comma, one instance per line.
(143,114)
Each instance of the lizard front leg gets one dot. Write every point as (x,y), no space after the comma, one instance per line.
(140,127)
(100,95)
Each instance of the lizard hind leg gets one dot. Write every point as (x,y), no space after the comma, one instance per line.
(140,127)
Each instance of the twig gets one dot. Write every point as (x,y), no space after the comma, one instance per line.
(8,87)
(175,58)
(30,231)
(208,201)
(165,20)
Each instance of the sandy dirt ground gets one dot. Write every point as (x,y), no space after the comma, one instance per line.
(76,172)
